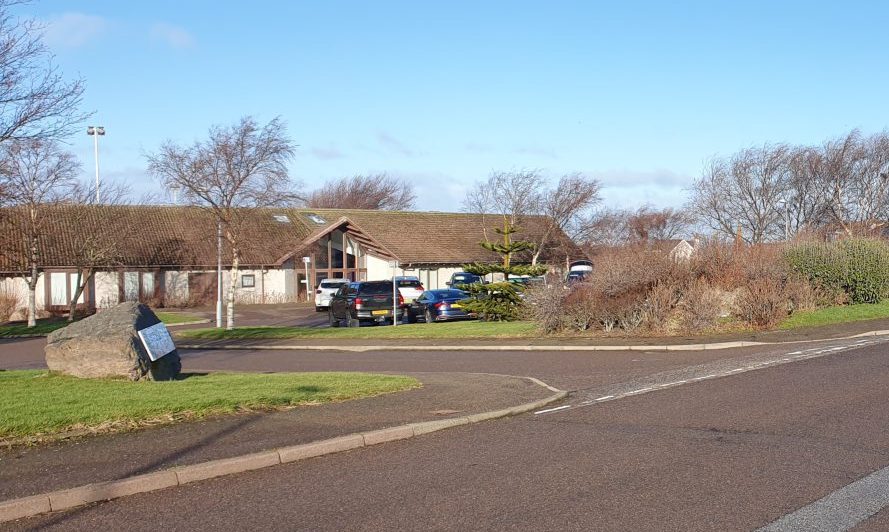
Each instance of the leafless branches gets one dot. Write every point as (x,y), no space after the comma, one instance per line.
(100,238)
(237,167)
(518,194)
(377,192)
(616,227)
(762,192)
(36,102)
(34,176)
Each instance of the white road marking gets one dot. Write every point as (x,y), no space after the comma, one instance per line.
(797,355)
(841,510)
(552,409)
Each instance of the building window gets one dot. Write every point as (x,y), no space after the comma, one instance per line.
(315,218)
(138,286)
(58,282)
(131,286)
(248,281)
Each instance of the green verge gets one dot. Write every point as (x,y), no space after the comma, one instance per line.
(175,318)
(455,330)
(36,403)
(48,325)
(834,315)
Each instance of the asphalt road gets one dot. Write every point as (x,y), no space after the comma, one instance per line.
(725,453)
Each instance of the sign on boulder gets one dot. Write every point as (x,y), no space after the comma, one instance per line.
(124,341)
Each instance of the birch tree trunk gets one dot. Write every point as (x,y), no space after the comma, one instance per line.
(32,305)
(32,286)
(233,279)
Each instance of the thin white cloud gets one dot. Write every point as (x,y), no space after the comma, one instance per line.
(327,153)
(395,145)
(537,151)
(73,30)
(659,177)
(172,36)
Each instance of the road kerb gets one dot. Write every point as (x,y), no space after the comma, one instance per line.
(226,466)
(66,499)
(526,347)
(388,434)
(24,507)
(103,491)
(487,416)
(320,448)
(433,426)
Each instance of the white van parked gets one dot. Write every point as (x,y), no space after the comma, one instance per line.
(326,289)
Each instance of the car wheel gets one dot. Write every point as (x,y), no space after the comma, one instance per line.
(334,322)
(352,322)
(319,309)
(428,316)
(409,316)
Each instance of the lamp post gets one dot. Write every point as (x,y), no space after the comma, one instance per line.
(394,265)
(306,261)
(96,132)
(786,219)
(218,275)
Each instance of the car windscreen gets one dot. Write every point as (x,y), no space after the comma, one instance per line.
(375,289)
(408,283)
(331,285)
(467,278)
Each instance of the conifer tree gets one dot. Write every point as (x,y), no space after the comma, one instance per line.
(499,301)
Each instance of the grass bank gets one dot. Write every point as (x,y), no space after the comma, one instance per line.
(835,315)
(460,329)
(40,404)
(48,325)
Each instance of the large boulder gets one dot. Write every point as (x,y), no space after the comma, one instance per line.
(107,344)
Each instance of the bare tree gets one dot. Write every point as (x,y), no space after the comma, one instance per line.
(35,175)
(563,208)
(744,192)
(102,237)
(511,194)
(238,167)
(36,102)
(606,227)
(519,194)
(617,227)
(376,192)
(851,172)
(649,224)
(765,192)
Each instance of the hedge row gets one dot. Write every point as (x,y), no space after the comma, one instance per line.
(857,267)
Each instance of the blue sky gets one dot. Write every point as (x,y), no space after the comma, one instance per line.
(638,94)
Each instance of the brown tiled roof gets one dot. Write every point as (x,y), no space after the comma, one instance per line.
(152,235)
(441,237)
(185,236)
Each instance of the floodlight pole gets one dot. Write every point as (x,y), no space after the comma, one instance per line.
(96,132)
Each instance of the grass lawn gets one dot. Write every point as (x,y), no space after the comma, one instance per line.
(35,402)
(832,315)
(459,329)
(48,325)
(175,318)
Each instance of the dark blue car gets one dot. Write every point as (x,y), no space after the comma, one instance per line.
(438,305)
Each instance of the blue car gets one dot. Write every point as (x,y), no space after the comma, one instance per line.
(438,305)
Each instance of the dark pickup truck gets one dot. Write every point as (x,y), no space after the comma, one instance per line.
(363,301)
